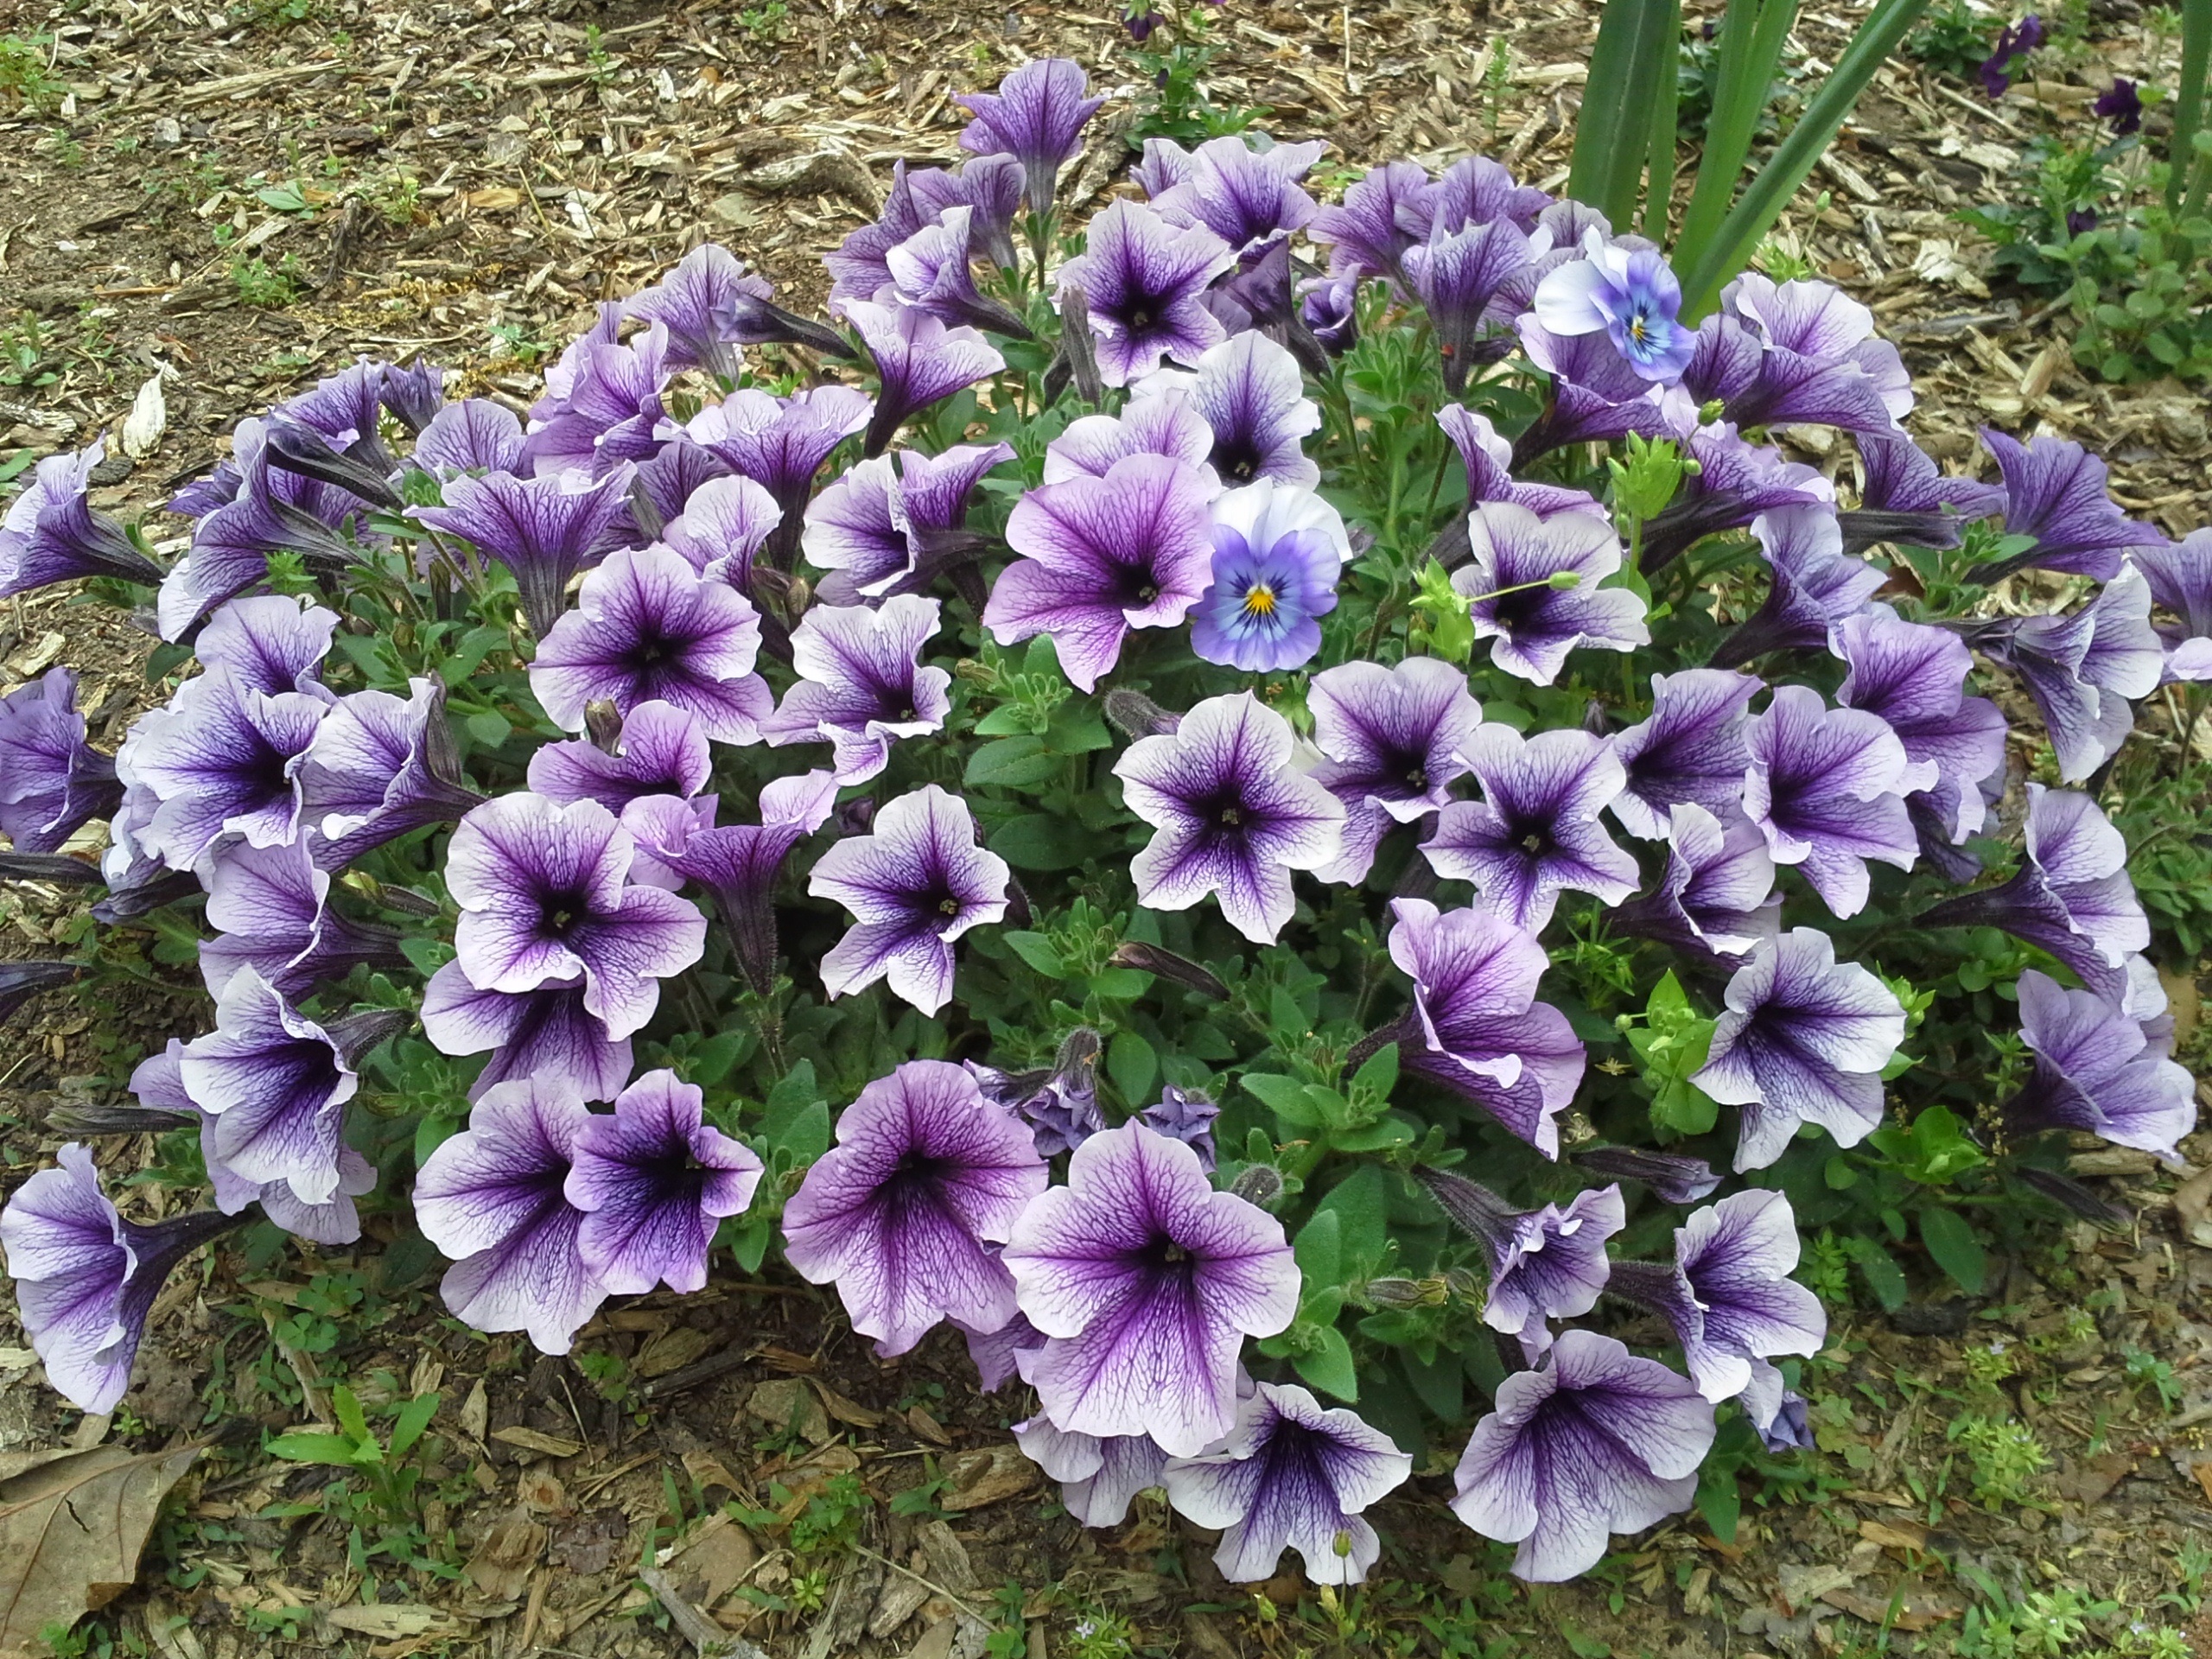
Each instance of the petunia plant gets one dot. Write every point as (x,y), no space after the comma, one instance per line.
(1291,817)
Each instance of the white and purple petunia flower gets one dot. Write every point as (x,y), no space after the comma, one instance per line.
(914,884)
(381,766)
(1143,280)
(1145,1281)
(1595,1441)
(861,686)
(1913,677)
(1631,296)
(1291,1475)
(2181,583)
(1278,552)
(546,1036)
(1231,816)
(2058,492)
(1366,233)
(918,361)
(1537,830)
(51,781)
(1162,423)
(50,532)
(223,757)
(2098,1069)
(1545,1263)
(270,643)
(1102,555)
(905,1212)
(1251,395)
(889,524)
(780,443)
(1488,461)
(1907,499)
(1037,116)
(493,1198)
(545,900)
(1099,1477)
(1688,750)
(653,1179)
(1804,1039)
(1716,897)
(721,525)
(1243,194)
(1390,740)
(1532,587)
(1472,280)
(543,529)
(660,750)
(271,908)
(1813,586)
(2082,670)
(1826,787)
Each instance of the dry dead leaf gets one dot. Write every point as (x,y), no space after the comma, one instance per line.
(988,1477)
(389,1622)
(1911,1610)
(2192,1200)
(147,420)
(850,1412)
(530,1439)
(1899,1534)
(71,1531)
(500,1568)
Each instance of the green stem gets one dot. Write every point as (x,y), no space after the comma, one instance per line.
(2188,96)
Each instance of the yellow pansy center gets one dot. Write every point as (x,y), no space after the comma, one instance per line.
(1259,599)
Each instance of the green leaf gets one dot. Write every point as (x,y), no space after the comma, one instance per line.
(1684,1108)
(1361,1203)
(1006,720)
(1077,728)
(1721,1501)
(805,1135)
(1329,1367)
(1379,1075)
(414,1417)
(1015,763)
(1040,840)
(1285,1017)
(1440,1382)
(1393,1131)
(710,1065)
(345,1406)
(1319,1248)
(749,1238)
(433,1130)
(1880,1270)
(1288,1097)
(308,1447)
(1133,1067)
(1612,133)
(1951,1241)
(1036,950)
(488,729)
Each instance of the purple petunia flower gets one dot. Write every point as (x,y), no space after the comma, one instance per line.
(543,529)
(989,187)
(1250,394)
(1546,1263)
(276,1083)
(2013,42)
(1675,1178)
(52,782)
(1914,678)
(1802,1040)
(2180,575)
(1278,552)
(1059,1102)
(1906,499)
(1782,355)
(1145,1281)
(50,532)
(1595,395)
(1329,308)
(272,906)
(1735,483)
(1143,280)
(85,1279)
(1363,233)
(1593,1441)
(723,523)
(1466,279)
(1474,190)
(933,271)
(1185,1114)
(1814,585)
(885,527)
(1099,1477)
(780,443)
(647,628)
(2058,492)
(1489,460)
(271,643)
(2122,105)
(861,686)
(472,435)
(1231,816)
(1242,194)
(1162,423)
(1730,1298)
(379,766)
(493,1198)
(1826,787)
(665,484)
(661,750)
(1516,583)
(1291,1476)
(652,1179)
(2071,896)
(913,885)
(711,304)
(1690,750)
(918,361)
(1391,738)
(1716,896)
(2081,669)
(902,1213)
(544,900)
(1632,296)
(221,759)
(602,404)
(546,1036)
(1037,116)
(1536,830)
(1475,1027)
(2097,1069)
(1101,555)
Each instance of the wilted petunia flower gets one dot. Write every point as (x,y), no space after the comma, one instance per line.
(653,1179)
(1145,1281)
(1532,587)
(379,766)
(545,899)
(50,532)
(1330,309)
(1536,830)
(1059,1101)
(1914,678)
(861,686)
(543,529)
(889,524)
(1716,896)
(1250,392)
(221,759)
(915,884)
(2058,492)
(1813,586)
(2180,575)
(1232,816)
(918,361)
(647,628)
(2122,105)
(493,1198)
(1143,280)
(1037,116)
(85,1279)
(1278,552)
(1185,1114)
(52,782)
(1101,555)
(1631,296)
(1826,787)
(2097,1069)
(1392,739)
(1595,1441)
(1688,751)
(710,304)
(1099,1477)
(1802,1040)
(1293,1475)
(546,1036)
(902,1214)
(1676,1178)
(1546,1263)
(1476,1027)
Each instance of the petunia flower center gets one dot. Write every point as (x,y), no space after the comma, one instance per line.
(948,906)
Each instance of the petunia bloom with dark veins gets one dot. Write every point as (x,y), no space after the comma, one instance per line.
(1291,1475)
(2081,669)
(710,304)
(915,883)
(989,187)
(1716,897)
(1489,461)
(1143,280)
(1465,280)
(493,1198)
(1759,383)
(902,1214)
(2099,1069)
(1826,787)
(1802,1040)
(602,405)
(222,759)
(933,271)
(1595,1441)
(2058,492)
(1278,554)
(1099,1477)
(85,1279)
(1231,815)
(543,529)
(1243,194)
(1595,395)
(271,643)
(472,436)
(1532,589)
(1150,423)
(379,768)
(1546,1263)
(653,1179)
(272,906)
(1363,233)
(892,524)
(1475,1027)
(1250,392)
(660,750)
(1390,739)
(918,362)
(1914,677)
(2180,575)
(1536,830)
(1812,586)
(780,443)
(1037,116)
(1905,498)
(1688,750)
(1145,1281)
(50,532)
(546,1036)
(1735,483)
(861,686)
(52,782)
(1102,555)
(1817,320)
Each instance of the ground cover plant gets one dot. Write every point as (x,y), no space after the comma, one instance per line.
(1393,612)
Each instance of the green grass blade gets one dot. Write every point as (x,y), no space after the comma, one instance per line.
(1786,170)
(1612,133)
(2188,96)
(1658,199)
(1753,36)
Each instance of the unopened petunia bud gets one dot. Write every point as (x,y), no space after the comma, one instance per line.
(1259,1184)
(1152,959)
(1139,715)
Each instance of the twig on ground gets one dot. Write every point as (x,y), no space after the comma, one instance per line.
(927,1584)
(697,1628)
